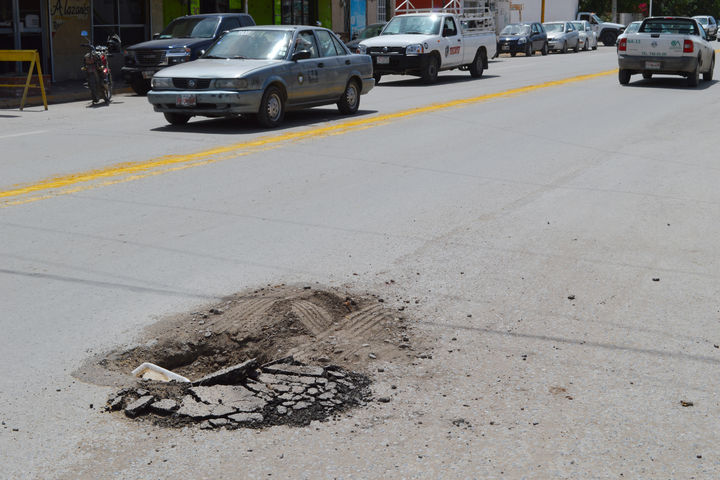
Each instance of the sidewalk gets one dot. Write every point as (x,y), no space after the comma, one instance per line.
(58,92)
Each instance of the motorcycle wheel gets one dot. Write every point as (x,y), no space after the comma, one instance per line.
(107,89)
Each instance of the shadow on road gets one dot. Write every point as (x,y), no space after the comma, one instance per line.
(245,124)
(442,80)
(672,83)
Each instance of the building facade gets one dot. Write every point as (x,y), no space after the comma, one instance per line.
(53,27)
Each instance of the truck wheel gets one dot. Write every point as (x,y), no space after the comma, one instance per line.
(140,86)
(377,78)
(694,77)
(272,108)
(624,76)
(476,68)
(430,71)
(708,76)
(176,118)
(609,38)
(350,100)
(544,50)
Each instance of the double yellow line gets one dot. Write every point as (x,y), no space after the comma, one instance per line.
(126,172)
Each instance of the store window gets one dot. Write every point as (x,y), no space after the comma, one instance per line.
(298,12)
(127,18)
(21,29)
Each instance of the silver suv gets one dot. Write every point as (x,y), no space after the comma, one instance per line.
(709,25)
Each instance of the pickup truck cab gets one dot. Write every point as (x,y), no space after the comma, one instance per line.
(606,32)
(181,41)
(424,43)
(666,45)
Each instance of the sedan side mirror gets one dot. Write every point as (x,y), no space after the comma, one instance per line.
(301,55)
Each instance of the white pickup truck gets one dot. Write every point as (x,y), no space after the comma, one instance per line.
(427,42)
(666,45)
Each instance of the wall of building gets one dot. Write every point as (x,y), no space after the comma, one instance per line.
(68,18)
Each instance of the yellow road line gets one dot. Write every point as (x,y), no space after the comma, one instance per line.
(125,172)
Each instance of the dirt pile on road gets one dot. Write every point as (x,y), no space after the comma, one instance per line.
(328,341)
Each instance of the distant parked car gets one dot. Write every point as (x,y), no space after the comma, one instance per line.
(264,71)
(562,36)
(182,40)
(709,24)
(372,30)
(588,38)
(526,38)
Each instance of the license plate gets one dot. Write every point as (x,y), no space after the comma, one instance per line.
(383,59)
(652,65)
(506,47)
(186,100)
(147,74)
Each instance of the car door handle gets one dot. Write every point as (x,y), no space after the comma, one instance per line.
(459,40)
(347,62)
(321,65)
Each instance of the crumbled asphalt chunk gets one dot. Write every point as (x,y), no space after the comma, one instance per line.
(164,407)
(254,399)
(230,375)
(138,406)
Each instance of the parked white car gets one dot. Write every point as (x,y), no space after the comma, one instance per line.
(588,38)
(709,24)
(666,45)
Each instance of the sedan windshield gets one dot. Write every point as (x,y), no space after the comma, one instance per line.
(702,20)
(410,24)
(255,44)
(515,30)
(191,28)
(554,27)
(579,25)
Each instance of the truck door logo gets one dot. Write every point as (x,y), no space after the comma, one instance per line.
(454,50)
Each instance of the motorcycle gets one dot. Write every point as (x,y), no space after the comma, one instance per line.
(97,68)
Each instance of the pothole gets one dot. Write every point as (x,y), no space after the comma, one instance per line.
(275,355)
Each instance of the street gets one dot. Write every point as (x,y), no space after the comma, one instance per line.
(548,235)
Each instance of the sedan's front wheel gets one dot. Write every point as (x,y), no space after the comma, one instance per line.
(564,48)
(350,100)
(544,50)
(272,108)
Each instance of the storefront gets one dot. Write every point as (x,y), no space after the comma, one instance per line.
(23,27)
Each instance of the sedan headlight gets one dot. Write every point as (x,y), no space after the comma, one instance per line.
(416,49)
(361,48)
(231,83)
(158,83)
(522,40)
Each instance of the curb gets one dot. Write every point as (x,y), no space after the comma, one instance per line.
(36,100)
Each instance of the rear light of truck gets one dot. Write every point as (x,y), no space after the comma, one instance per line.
(688,46)
(622,46)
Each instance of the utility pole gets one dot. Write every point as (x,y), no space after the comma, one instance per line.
(614,11)
(542,11)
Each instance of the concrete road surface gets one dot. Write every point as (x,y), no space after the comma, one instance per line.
(559,232)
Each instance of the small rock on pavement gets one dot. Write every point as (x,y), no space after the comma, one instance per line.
(218,422)
(164,407)
(138,406)
(282,410)
(300,405)
(384,399)
(571,297)
(686,403)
